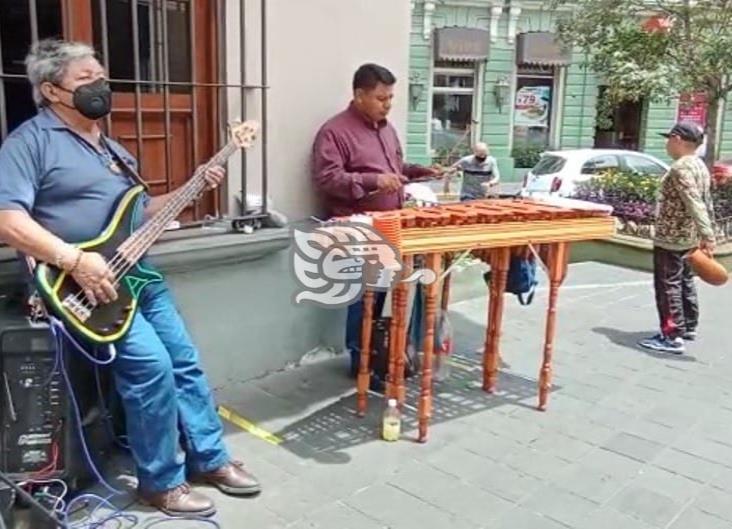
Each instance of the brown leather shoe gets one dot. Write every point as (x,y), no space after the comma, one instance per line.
(230,479)
(180,501)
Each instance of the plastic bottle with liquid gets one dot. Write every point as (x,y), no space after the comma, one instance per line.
(391,422)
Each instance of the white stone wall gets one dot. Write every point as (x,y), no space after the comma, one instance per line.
(314,47)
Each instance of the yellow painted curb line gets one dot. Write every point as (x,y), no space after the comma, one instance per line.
(249,427)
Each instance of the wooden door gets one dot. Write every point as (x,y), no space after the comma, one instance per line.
(162,60)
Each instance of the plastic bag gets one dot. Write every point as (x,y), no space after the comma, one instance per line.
(443,346)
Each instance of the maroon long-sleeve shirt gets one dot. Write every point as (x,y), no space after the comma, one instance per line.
(348,155)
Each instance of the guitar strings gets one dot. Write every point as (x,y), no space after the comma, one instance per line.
(147,234)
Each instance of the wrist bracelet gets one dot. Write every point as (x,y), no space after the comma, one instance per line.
(60,260)
(76,262)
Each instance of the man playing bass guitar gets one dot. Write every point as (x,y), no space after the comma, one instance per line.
(59,180)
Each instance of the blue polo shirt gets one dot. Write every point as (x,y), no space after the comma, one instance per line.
(60,179)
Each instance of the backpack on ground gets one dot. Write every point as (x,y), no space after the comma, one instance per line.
(522,277)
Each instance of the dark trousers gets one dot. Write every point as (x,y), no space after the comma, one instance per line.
(676,298)
(353,327)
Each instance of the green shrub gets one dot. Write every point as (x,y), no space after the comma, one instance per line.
(526,156)
(632,195)
(622,186)
(449,155)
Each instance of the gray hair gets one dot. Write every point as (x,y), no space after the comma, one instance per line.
(48,60)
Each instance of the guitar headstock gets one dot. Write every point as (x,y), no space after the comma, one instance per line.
(244,134)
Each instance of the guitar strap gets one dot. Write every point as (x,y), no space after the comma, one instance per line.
(124,165)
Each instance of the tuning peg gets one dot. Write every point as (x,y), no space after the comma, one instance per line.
(232,124)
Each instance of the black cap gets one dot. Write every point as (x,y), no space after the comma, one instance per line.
(687,131)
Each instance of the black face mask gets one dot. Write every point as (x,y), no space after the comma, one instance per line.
(92,100)
(481,159)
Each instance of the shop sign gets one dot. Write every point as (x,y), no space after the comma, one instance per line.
(693,108)
(533,106)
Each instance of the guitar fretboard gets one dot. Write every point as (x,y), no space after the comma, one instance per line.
(145,236)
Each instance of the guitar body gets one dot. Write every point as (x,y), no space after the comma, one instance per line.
(123,243)
(64,298)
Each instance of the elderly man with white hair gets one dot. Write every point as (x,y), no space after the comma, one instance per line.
(60,179)
(480,172)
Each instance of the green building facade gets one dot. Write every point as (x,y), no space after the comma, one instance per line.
(492,71)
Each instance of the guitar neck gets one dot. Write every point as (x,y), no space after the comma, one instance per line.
(145,236)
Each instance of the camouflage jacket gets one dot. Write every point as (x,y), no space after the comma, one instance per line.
(684,209)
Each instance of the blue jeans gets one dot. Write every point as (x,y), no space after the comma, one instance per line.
(166,396)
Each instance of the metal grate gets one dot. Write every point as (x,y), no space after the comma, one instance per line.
(165,62)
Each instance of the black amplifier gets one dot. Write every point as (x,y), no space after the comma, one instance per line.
(40,434)
(7,501)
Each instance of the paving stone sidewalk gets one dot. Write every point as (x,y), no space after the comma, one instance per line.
(631,440)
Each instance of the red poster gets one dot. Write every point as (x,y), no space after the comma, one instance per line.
(693,107)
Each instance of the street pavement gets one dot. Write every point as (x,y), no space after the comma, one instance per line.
(631,440)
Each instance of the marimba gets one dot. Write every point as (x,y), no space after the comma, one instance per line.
(491,229)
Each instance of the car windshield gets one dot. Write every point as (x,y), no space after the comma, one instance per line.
(549,164)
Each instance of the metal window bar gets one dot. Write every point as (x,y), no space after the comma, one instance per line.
(136,61)
(105,53)
(33,15)
(194,99)
(245,216)
(3,110)
(243,67)
(166,96)
(160,81)
(223,191)
(263,30)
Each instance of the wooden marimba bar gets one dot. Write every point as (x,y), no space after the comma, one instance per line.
(492,229)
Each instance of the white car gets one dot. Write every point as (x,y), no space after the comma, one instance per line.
(558,172)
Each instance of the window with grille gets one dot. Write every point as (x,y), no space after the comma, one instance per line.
(163,59)
(454,105)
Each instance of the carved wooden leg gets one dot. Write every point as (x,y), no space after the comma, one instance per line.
(558,257)
(499,273)
(425,394)
(364,370)
(400,339)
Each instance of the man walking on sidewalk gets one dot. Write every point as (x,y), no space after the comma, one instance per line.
(682,224)
(479,169)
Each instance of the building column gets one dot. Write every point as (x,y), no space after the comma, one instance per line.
(513,16)
(429,11)
(496,12)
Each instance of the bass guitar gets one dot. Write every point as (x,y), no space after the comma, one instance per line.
(123,246)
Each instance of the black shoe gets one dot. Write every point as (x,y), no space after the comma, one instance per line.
(689,336)
(377,385)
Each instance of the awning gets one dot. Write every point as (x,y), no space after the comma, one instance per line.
(462,44)
(543,48)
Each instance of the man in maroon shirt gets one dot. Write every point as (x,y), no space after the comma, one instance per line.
(358,166)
